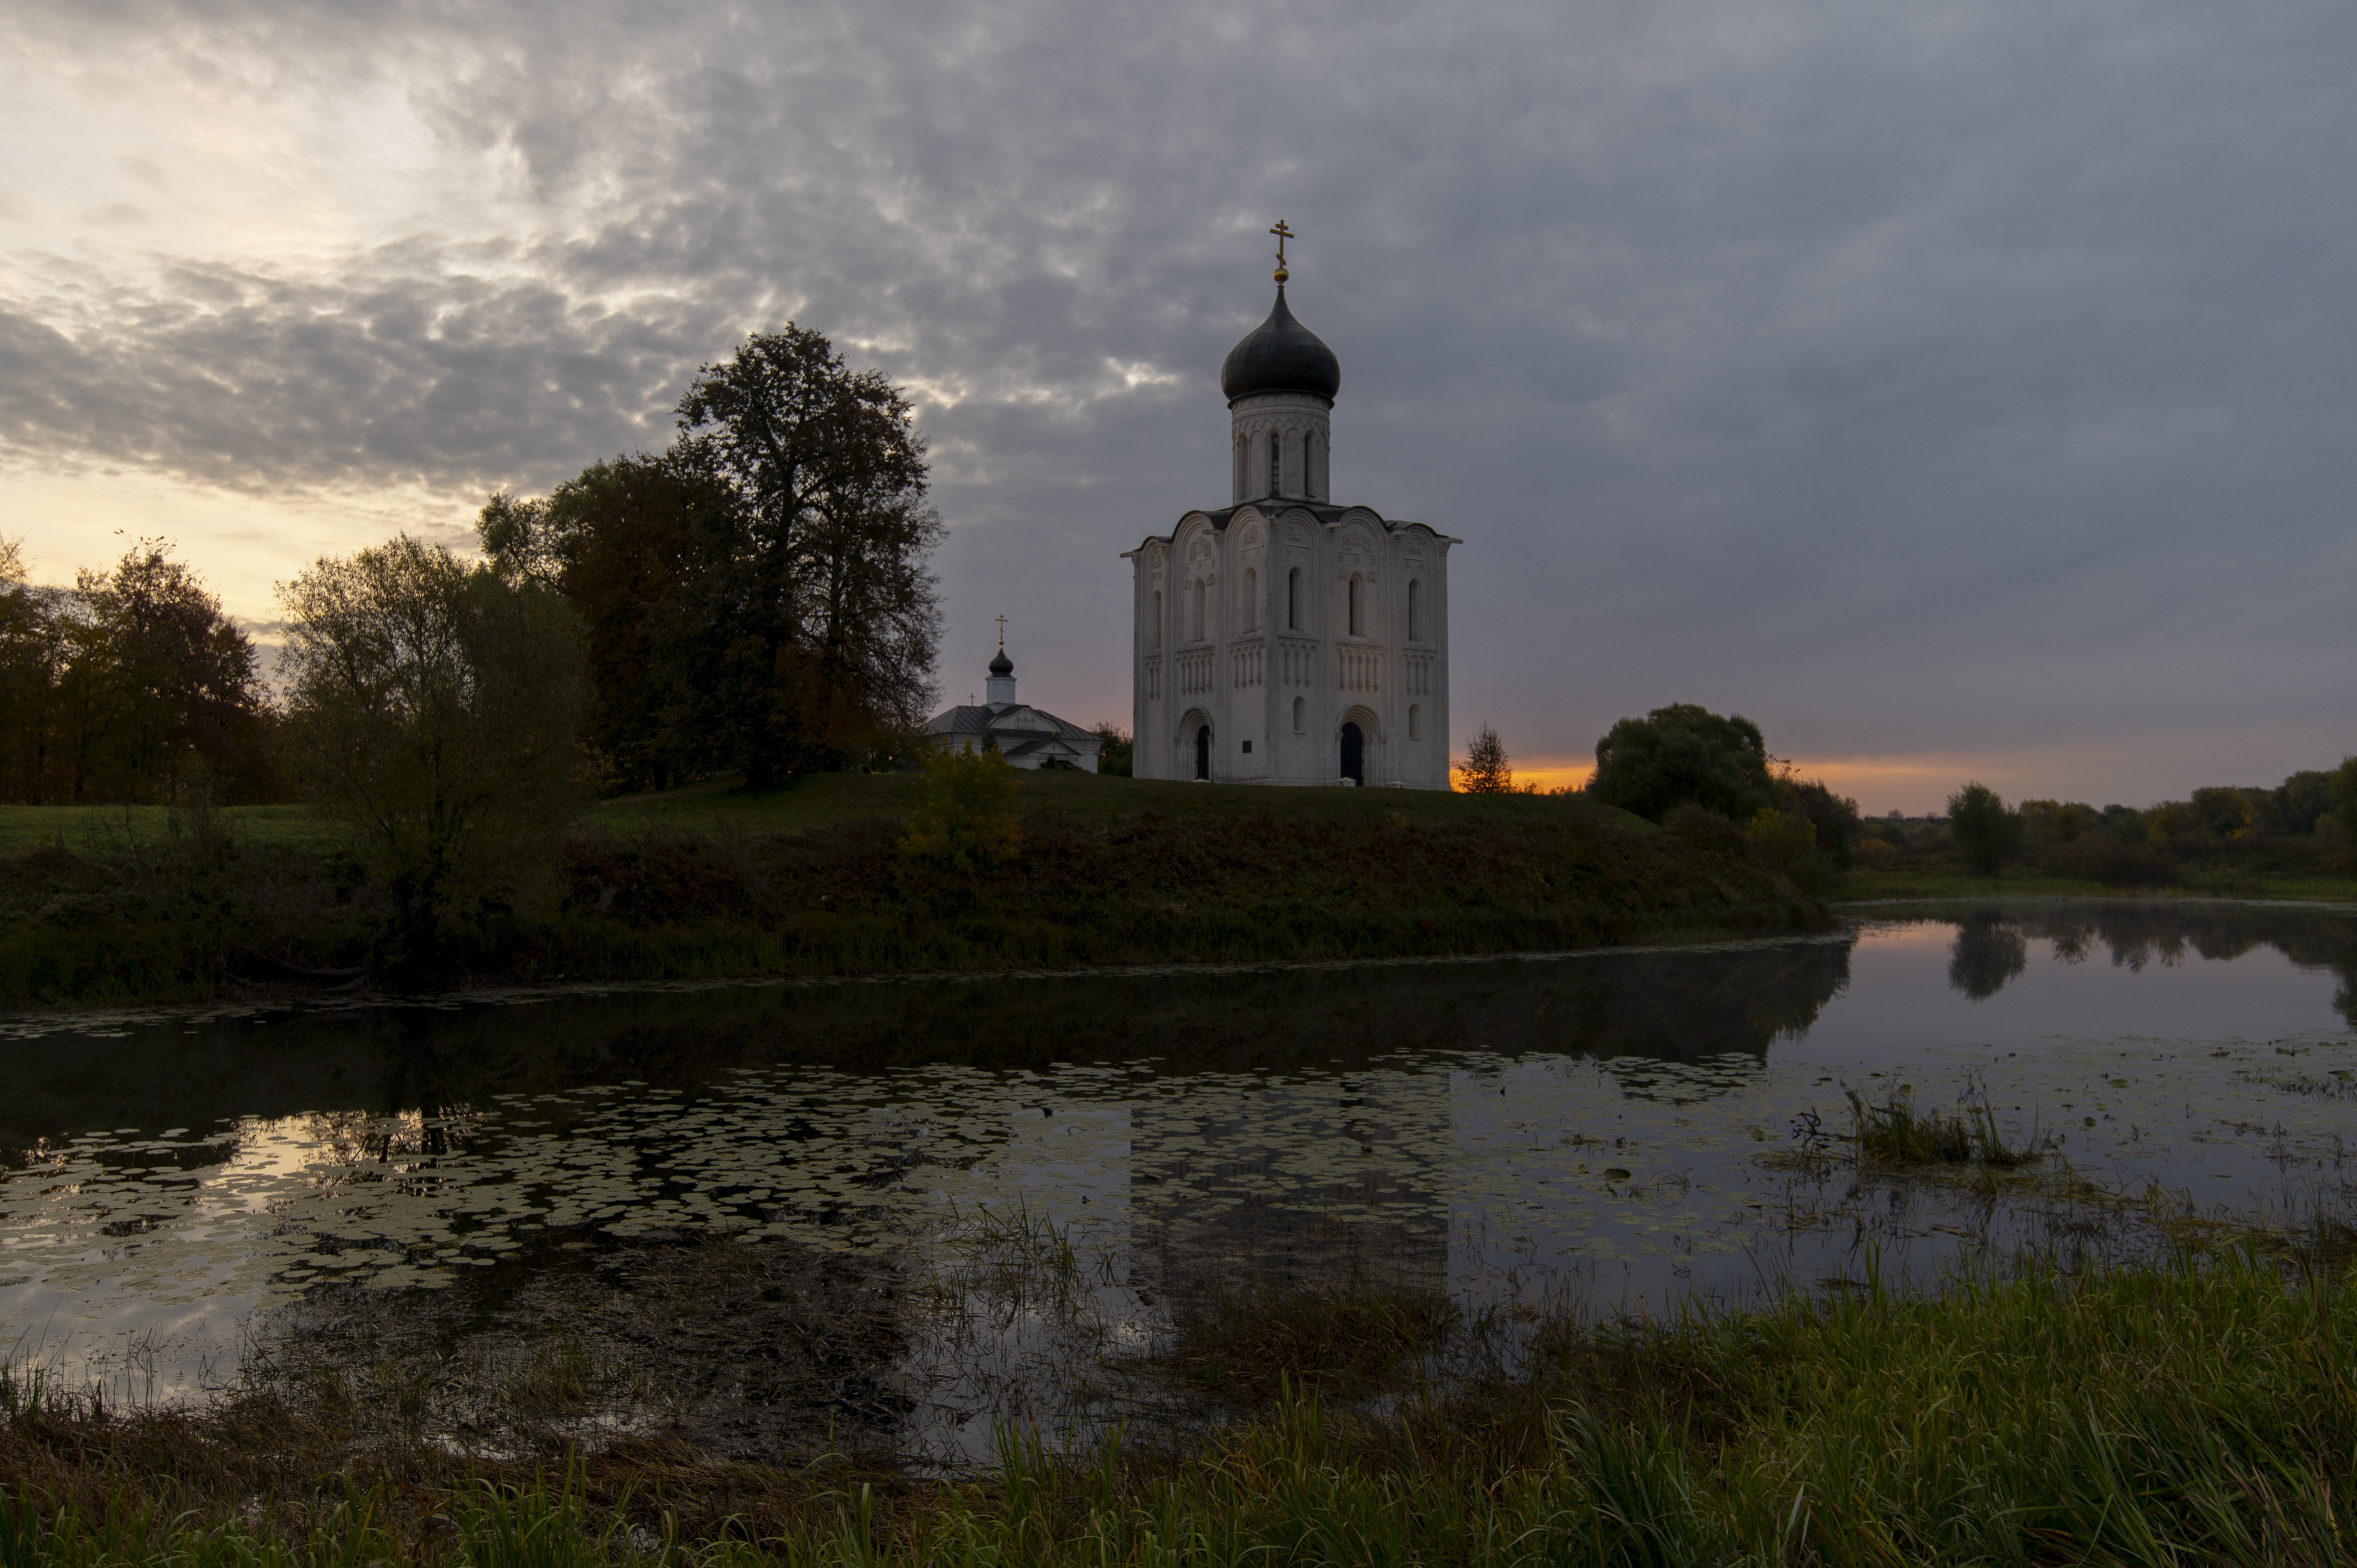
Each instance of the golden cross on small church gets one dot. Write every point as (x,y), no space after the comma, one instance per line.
(1002,631)
(1283,234)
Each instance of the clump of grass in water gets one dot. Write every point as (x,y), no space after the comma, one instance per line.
(1896,1134)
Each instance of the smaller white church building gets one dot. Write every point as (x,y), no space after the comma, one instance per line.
(1027,736)
(1283,639)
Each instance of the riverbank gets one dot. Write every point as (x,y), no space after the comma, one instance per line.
(2196,1410)
(2198,881)
(717,882)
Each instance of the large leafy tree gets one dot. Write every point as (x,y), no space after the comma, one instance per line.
(1681,753)
(130,686)
(808,618)
(1987,833)
(2344,804)
(179,679)
(32,661)
(619,542)
(436,708)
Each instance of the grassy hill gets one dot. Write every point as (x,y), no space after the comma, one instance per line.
(716,880)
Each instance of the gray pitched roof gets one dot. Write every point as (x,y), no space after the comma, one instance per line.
(977,719)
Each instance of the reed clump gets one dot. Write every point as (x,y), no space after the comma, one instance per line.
(1896,1134)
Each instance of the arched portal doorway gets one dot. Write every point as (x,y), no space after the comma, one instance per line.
(1354,754)
(1202,751)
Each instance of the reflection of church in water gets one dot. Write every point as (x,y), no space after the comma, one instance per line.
(1282,638)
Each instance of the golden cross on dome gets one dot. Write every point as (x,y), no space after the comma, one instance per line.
(1002,631)
(1283,234)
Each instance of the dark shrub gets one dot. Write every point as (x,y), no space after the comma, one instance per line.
(1833,819)
(1706,829)
(2301,800)
(2112,861)
(1681,753)
(1988,834)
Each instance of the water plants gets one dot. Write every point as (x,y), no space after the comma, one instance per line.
(1897,1133)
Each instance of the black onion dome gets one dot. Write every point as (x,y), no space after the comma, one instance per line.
(1002,665)
(1280,355)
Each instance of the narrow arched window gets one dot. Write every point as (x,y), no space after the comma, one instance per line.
(1355,622)
(1414,610)
(1157,617)
(1276,462)
(1414,722)
(1198,609)
(1309,464)
(1300,714)
(1252,599)
(1293,600)
(1243,448)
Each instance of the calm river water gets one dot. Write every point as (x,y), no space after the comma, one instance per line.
(186,1192)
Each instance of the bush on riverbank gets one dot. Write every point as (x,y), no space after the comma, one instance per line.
(1211,875)
(2198,1410)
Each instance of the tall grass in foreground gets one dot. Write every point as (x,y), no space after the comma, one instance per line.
(2199,1412)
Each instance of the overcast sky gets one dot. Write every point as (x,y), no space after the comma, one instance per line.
(1954,390)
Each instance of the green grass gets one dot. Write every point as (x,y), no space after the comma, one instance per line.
(822,801)
(817,802)
(113,829)
(714,883)
(2202,1410)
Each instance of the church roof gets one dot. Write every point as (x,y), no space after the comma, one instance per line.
(1009,723)
(1325,512)
(1280,355)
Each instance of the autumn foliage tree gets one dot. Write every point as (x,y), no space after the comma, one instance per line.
(963,822)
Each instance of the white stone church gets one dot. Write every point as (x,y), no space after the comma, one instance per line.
(1282,638)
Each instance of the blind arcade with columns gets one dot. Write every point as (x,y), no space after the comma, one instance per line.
(1282,638)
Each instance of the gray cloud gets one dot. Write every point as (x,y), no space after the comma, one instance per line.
(1928,377)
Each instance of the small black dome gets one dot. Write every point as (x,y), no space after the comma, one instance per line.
(1002,665)
(1280,355)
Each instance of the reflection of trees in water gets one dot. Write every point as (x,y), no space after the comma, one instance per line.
(1991,944)
(1675,1005)
(1988,952)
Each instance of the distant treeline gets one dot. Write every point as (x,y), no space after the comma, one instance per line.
(2307,820)
(130,685)
(2306,804)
